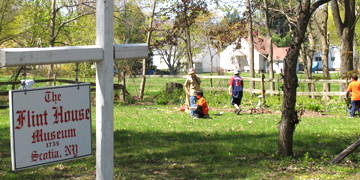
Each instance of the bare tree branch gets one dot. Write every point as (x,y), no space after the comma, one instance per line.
(337,18)
(290,19)
(87,3)
(69,21)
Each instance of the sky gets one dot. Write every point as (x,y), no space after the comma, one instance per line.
(220,8)
(227,5)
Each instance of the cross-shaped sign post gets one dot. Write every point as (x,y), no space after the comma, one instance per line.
(103,53)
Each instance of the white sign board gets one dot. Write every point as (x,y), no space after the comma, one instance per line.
(49,125)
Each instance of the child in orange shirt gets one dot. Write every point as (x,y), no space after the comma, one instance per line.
(201,108)
(354,90)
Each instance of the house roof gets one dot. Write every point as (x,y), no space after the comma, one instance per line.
(262,46)
(280,53)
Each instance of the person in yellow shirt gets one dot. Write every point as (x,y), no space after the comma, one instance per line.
(191,85)
(354,90)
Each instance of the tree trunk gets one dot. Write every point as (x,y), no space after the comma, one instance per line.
(309,57)
(303,58)
(322,26)
(356,54)
(289,117)
(270,56)
(345,30)
(143,80)
(347,39)
(188,48)
(190,63)
(16,75)
(51,73)
(123,76)
(119,79)
(211,71)
(145,60)
(251,43)
(307,65)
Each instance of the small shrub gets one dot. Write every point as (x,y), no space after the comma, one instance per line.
(312,104)
(313,107)
(174,97)
(130,99)
(216,98)
(274,102)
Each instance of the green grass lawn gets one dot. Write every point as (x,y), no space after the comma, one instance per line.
(160,142)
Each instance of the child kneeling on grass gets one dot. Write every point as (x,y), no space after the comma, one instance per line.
(201,108)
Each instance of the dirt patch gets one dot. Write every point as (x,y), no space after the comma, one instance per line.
(247,111)
(305,113)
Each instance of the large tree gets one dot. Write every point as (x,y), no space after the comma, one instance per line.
(172,54)
(345,29)
(220,34)
(63,13)
(268,34)
(250,41)
(309,51)
(289,118)
(321,21)
(129,21)
(148,42)
(186,12)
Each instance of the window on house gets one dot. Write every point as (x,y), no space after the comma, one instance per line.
(242,60)
(332,58)
(317,58)
(198,67)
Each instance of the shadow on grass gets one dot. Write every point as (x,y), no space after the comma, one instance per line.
(161,155)
(191,155)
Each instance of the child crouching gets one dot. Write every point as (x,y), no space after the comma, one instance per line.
(201,108)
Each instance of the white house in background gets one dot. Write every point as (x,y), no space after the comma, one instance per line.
(158,61)
(333,58)
(202,61)
(232,58)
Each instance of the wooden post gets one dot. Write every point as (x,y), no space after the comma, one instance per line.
(104,91)
(263,88)
(326,88)
(343,88)
(123,79)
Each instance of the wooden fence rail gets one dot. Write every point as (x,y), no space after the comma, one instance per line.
(341,82)
(256,91)
(332,81)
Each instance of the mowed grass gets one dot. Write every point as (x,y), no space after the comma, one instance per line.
(160,142)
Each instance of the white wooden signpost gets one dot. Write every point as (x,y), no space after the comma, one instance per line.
(103,53)
(49,125)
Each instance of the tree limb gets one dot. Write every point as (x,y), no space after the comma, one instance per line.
(318,3)
(290,19)
(337,19)
(87,3)
(68,21)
